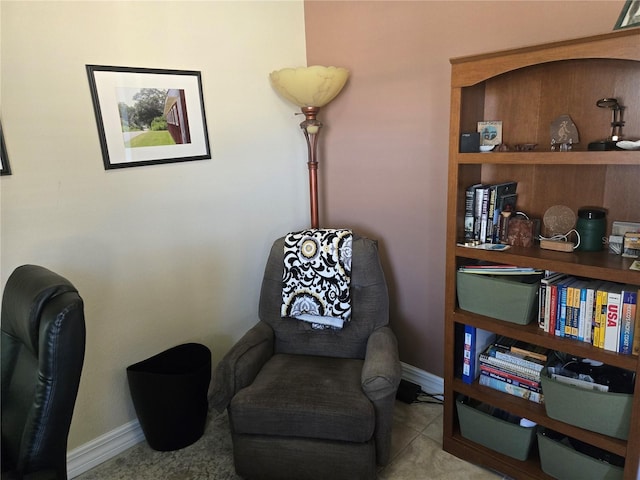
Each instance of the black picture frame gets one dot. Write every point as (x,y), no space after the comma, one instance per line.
(126,102)
(5,167)
(629,16)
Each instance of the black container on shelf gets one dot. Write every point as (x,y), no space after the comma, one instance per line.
(591,227)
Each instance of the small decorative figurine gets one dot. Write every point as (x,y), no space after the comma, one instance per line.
(564,134)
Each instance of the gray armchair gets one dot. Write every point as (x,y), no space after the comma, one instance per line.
(313,404)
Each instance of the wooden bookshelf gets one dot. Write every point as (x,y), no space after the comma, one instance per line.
(527,89)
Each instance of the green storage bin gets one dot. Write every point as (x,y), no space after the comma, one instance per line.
(603,412)
(499,435)
(564,463)
(509,298)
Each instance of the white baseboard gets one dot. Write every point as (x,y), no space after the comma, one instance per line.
(112,443)
(103,448)
(430,383)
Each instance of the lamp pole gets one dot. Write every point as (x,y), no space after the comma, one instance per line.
(311,129)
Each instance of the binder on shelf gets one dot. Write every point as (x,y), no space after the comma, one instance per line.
(475,341)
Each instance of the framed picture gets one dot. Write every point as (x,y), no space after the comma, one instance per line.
(5,169)
(148,116)
(490,132)
(630,15)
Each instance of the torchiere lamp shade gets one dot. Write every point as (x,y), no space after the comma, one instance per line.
(309,86)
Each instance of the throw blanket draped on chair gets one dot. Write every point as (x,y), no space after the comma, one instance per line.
(317,277)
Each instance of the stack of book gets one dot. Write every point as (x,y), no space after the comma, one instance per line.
(513,367)
(602,313)
(484,208)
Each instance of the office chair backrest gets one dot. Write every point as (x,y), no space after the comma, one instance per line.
(43,345)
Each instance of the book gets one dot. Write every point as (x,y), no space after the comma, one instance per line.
(612,326)
(490,210)
(569,315)
(574,292)
(476,341)
(511,360)
(501,386)
(478,201)
(636,333)
(509,367)
(505,376)
(583,315)
(484,214)
(543,313)
(551,305)
(600,316)
(469,211)
(503,195)
(483,206)
(561,311)
(628,317)
(499,270)
(589,312)
(531,350)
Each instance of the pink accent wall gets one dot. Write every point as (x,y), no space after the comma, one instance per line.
(384,149)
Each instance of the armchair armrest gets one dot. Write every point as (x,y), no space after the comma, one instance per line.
(239,367)
(381,371)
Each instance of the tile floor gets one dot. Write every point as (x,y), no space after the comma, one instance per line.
(416,454)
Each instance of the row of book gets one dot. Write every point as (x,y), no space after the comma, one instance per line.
(515,367)
(503,364)
(484,221)
(604,314)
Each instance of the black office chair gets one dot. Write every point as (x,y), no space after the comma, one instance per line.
(43,344)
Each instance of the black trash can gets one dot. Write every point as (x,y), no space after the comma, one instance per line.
(169,393)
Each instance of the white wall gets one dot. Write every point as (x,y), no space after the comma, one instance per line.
(161,254)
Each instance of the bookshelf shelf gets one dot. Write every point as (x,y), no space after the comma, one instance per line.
(532,334)
(523,89)
(542,157)
(583,264)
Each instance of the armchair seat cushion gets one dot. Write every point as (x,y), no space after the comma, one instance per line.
(305,396)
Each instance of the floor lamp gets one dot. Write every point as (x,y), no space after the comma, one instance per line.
(310,88)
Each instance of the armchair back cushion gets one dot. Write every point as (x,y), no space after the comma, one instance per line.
(369,298)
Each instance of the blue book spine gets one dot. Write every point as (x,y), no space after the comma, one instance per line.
(627,323)
(562,307)
(475,341)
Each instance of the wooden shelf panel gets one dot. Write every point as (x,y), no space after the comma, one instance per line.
(470,70)
(600,265)
(551,158)
(533,334)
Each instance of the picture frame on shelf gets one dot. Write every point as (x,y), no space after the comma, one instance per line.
(629,16)
(148,116)
(5,168)
(490,132)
